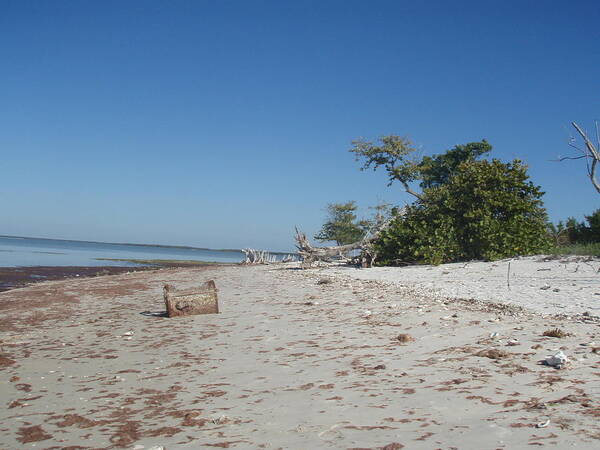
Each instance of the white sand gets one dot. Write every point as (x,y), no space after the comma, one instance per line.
(569,285)
(293,362)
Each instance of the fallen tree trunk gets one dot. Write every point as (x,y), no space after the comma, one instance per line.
(311,254)
(368,255)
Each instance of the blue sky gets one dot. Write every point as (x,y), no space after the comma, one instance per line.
(224,124)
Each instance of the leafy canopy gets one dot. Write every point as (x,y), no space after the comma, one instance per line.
(342,225)
(398,156)
(467,207)
(438,169)
(576,232)
(488,210)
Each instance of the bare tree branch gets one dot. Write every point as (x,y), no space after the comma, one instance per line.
(564,158)
(311,254)
(591,154)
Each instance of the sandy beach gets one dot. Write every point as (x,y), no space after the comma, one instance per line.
(330,357)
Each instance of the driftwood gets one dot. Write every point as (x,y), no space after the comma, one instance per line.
(200,300)
(311,254)
(254,256)
(367,257)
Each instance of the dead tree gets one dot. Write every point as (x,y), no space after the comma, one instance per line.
(590,153)
(368,255)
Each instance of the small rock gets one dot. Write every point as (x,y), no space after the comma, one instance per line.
(379,367)
(545,287)
(404,338)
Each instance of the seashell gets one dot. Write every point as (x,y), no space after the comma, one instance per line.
(543,424)
(557,360)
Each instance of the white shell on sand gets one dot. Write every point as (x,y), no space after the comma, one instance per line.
(557,360)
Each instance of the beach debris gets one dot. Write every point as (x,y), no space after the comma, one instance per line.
(556,332)
(558,360)
(493,353)
(512,342)
(493,335)
(324,281)
(404,338)
(392,446)
(367,314)
(219,420)
(200,300)
(128,333)
(254,256)
(545,287)
(543,424)
(367,257)
(379,367)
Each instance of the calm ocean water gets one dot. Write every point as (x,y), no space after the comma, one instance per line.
(16,252)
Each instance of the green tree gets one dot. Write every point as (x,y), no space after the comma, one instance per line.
(470,210)
(580,233)
(398,156)
(342,225)
(438,169)
(593,220)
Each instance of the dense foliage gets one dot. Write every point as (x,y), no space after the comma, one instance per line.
(576,232)
(397,155)
(342,225)
(468,209)
(437,170)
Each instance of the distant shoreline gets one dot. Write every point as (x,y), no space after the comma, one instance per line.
(187,247)
(18,277)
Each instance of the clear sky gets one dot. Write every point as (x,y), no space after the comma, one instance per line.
(224,124)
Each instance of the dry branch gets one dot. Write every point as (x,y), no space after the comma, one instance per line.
(590,153)
(254,256)
(311,254)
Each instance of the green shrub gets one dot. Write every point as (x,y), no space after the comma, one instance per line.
(589,249)
(487,210)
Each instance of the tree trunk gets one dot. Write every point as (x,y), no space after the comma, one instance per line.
(591,153)
(311,254)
